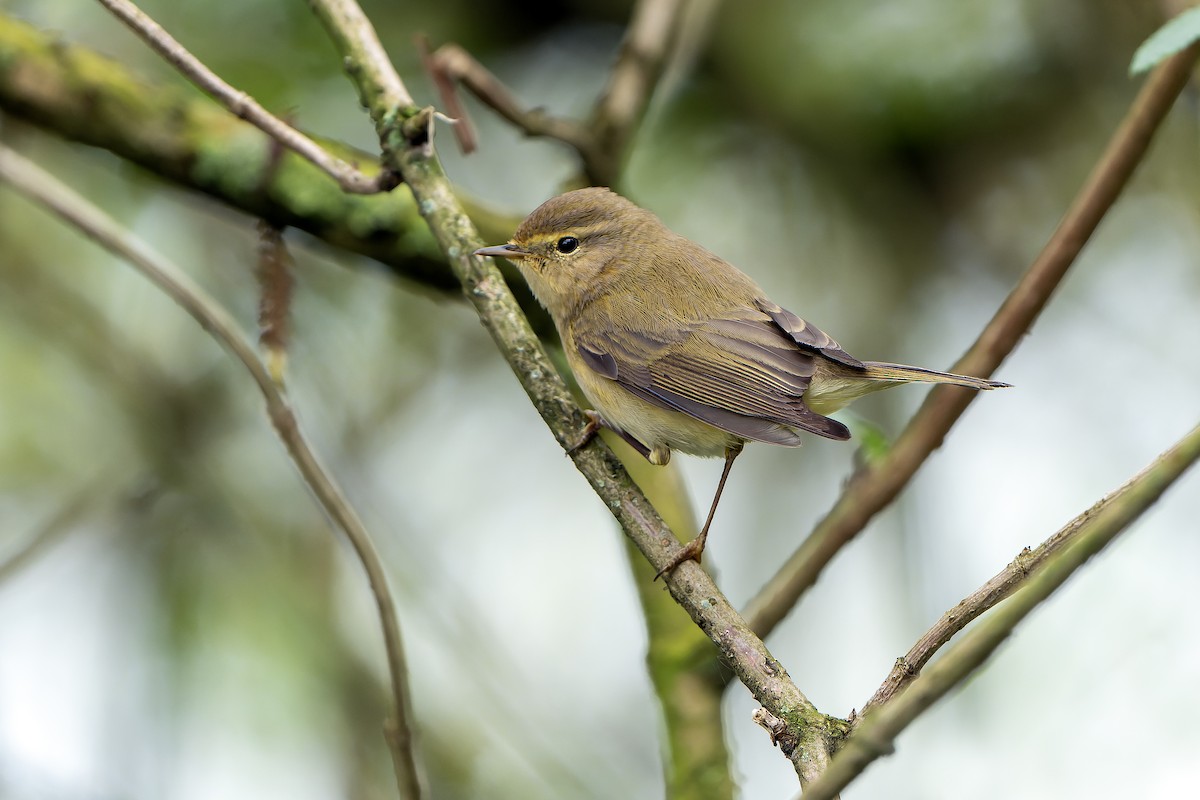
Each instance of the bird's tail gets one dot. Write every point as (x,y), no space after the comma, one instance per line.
(900,373)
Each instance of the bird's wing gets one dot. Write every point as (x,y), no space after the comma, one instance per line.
(744,374)
(807,335)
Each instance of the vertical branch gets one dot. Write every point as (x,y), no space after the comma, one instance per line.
(689,689)
(652,32)
(275,284)
(380,89)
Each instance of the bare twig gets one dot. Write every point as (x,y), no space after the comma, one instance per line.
(56,527)
(407,133)
(451,65)
(1000,587)
(1096,528)
(601,141)
(46,190)
(242,104)
(874,487)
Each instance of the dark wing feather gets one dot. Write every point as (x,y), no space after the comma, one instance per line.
(807,335)
(745,375)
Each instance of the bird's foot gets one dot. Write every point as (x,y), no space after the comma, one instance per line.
(595,423)
(692,551)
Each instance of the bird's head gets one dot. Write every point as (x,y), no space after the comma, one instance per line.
(571,242)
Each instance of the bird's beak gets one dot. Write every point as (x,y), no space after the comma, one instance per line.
(509,251)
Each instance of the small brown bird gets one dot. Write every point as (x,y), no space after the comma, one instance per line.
(678,349)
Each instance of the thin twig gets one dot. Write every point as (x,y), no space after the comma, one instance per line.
(243,105)
(451,65)
(1098,526)
(873,488)
(970,608)
(409,138)
(48,191)
(56,527)
(601,141)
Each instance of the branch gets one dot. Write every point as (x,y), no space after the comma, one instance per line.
(603,140)
(970,608)
(652,32)
(56,527)
(451,65)
(697,761)
(688,689)
(47,191)
(188,141)
(380,89)
(407,135)
(875,486)
(1094,530)
(243,105)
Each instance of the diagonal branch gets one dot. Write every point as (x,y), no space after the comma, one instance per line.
(874,487)
(47,191)
(970,608)
(1094,530)
(407,136)
(243,105)
(60,523)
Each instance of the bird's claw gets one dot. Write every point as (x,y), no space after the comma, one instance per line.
(595,423)
(692,551)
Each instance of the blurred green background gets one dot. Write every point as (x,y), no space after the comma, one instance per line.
(885,169)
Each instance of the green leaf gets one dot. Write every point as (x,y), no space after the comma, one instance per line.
(873,443)
(1168,40)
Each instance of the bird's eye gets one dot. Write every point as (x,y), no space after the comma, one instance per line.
(567,244)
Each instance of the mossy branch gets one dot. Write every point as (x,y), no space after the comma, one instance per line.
(191,142)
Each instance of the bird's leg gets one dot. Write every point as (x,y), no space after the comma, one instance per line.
(693,550)
(595,423)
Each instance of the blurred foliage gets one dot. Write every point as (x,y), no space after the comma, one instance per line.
(884,169)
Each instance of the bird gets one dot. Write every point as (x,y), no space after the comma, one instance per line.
(676,349)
